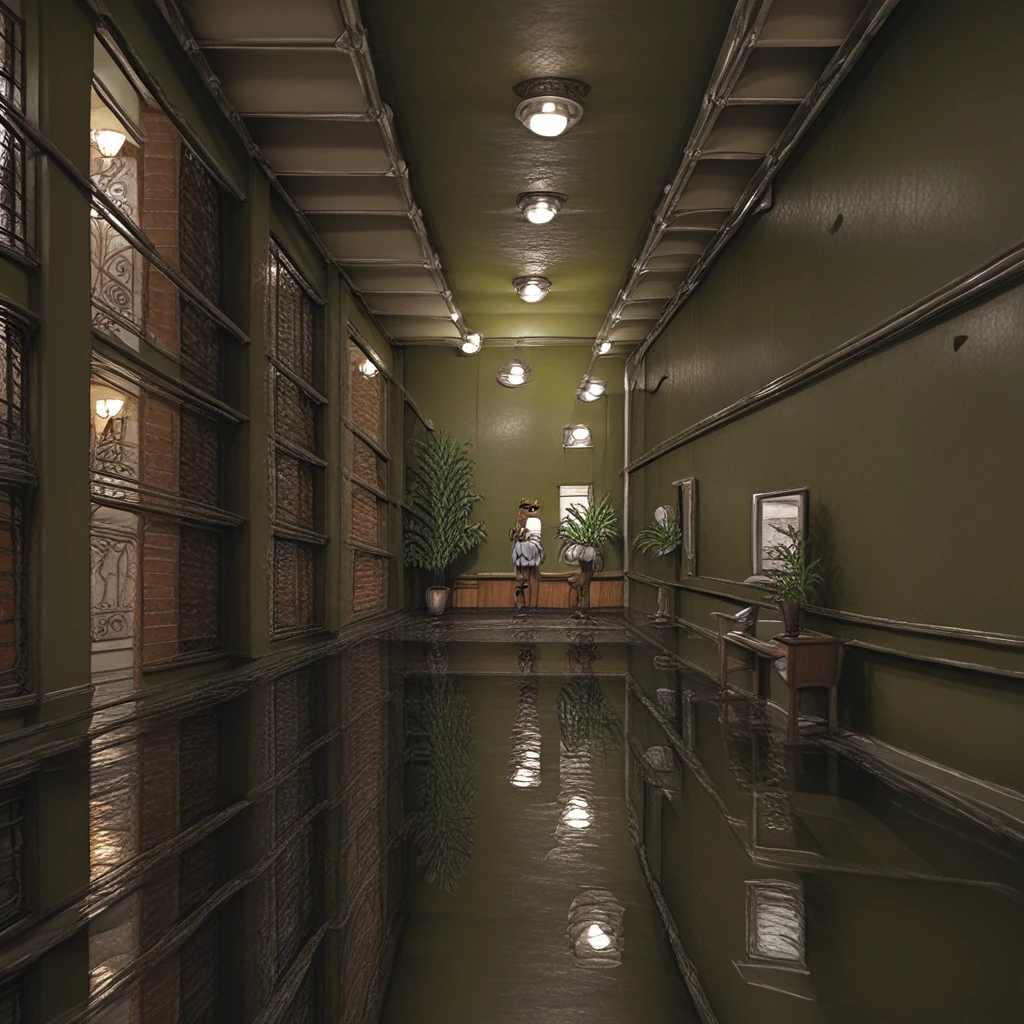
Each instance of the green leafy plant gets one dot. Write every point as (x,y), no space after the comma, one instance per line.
(660,538)
(798,576)
(592,526)
(442,828)
(440,496)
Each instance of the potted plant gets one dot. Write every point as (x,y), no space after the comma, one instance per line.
(584,533)
(440,500)
(795,578)
(661,538)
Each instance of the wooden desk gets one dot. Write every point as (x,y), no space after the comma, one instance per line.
(808,661)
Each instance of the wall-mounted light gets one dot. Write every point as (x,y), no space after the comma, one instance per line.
(576,435)
(108,408)
(602,348)
(108,141)
(531,289)
(368,368)
(515,374)
(472,343)
(549,106)
(591,389)
(540,207)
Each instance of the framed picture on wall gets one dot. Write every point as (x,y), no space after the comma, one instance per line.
(773,512)
(688,522)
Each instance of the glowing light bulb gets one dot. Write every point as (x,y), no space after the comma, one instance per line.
(516,374)
(472,344)
(107,408)
(532,292)
(531,289)
(455,317)
(549,121)
(598,938)
(604,347)
(368,368)
(580,433)
(108,142)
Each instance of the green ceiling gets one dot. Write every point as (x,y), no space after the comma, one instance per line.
(447,69)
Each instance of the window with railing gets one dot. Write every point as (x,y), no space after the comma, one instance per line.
(294,339)
(13,217)
(158,517)
(16,473)
(368,504)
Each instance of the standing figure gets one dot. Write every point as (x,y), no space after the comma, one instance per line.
(527,554)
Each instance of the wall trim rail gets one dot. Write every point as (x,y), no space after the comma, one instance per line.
(941,303)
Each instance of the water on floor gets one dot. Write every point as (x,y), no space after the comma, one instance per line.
(596,836)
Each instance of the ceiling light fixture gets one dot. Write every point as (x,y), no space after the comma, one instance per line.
(531,289)
(472,343)
(107,141)
(602,348)
(576,435)
(516,373)
(368,368)
(549,106)
(591,389)
(540,207)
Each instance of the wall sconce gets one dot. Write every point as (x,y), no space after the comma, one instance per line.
(515,373)
(591,389)
(576,435)
(368,368)
(108,141)
(108,408)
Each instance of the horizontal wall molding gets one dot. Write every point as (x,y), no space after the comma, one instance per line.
(975,636)
(855,643)
(945,301)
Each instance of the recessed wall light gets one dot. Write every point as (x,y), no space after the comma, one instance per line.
(591,389)
(472,343)
(576,435)
(549,106)
(531,289)
(540,207)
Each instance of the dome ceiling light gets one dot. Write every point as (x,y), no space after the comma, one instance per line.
(576,435)
(540,207)
(472,343)
(550,106)
(591,389)
(531,289)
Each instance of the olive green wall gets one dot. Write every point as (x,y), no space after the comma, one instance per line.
(516,435)
(909,454)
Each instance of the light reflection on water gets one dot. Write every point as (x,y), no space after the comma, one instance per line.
(798,887)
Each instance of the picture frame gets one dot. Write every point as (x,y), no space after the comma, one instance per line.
(688,523)
(771,512)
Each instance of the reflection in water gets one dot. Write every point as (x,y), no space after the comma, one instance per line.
(524,758)
(441,746)
(585,718)
(596,937)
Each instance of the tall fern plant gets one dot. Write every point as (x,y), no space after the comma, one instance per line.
(440,499)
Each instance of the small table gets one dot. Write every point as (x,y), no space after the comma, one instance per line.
(807,661)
